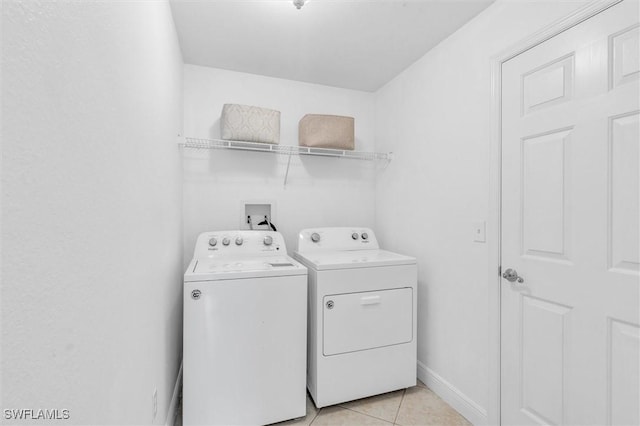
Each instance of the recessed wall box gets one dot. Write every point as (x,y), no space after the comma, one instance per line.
(252,213)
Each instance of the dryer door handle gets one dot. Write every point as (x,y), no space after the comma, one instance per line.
(370,300)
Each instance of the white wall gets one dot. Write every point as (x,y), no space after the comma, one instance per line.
(435,116)
(320,191)
(91,209)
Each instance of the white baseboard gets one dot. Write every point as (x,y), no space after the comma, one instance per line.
(173,405)
(452,396)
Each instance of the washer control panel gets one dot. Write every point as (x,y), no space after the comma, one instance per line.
(220,243)
(341,238)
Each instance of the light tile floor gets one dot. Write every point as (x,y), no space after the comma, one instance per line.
(416,406)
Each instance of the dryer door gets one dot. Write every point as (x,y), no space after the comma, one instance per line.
(366,320)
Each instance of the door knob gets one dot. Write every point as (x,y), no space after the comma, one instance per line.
(511,275)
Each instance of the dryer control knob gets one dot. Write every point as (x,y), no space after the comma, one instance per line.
(213,242)
(355,236)
(268,240)
(239,241)
(225,241)
(365,236)
(315,237)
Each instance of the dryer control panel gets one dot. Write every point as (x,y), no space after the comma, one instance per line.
(223,243)
(337,238)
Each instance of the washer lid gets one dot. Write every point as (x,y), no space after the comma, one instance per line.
(330,259)
(228,268)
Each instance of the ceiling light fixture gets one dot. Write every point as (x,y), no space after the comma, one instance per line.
(298,4)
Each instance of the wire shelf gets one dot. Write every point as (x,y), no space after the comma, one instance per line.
(198,143)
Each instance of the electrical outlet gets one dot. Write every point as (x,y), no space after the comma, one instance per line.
(154,400)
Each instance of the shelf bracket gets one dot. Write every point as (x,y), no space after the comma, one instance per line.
(286,174)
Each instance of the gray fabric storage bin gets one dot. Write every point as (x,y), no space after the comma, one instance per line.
(250,123)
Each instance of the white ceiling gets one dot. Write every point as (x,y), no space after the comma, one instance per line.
(355,44)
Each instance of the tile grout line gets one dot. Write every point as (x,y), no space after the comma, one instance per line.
(379,418)
(365,414)
(399,406)
(316,416)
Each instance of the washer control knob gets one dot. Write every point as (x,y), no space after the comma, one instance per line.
(225,241)
(315,237)
(268,240)
(355,236)
(365,236)
(213,242)
(239,241)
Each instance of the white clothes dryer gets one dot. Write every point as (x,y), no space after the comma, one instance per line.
(362,315)
(244,331)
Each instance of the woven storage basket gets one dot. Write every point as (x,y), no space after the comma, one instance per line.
(250,123)
(326,131)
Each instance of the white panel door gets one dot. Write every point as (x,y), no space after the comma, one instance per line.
(570,190)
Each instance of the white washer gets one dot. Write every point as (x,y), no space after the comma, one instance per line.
(245,317)
(362,315)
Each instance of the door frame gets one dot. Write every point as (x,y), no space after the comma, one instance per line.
(494,221)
